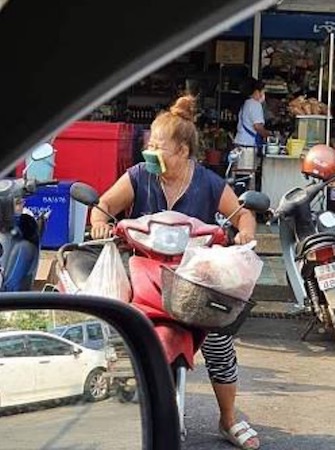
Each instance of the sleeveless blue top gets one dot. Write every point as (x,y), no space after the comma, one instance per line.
(200,200)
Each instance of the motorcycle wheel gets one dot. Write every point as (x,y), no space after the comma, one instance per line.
(328,322)
(126,396)
(96,386)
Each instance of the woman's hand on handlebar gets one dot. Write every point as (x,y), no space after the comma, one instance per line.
(101,230)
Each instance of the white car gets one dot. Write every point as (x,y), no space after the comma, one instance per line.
(37,366)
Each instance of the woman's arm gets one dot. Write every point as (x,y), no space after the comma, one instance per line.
(118,198)
(244,220)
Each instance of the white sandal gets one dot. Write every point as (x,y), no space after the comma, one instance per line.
(239,434)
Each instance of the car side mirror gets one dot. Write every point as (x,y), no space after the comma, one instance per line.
(77,351)
(139,395)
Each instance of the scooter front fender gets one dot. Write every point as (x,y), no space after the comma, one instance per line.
(288,244)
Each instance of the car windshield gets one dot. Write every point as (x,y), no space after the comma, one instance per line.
(58,331)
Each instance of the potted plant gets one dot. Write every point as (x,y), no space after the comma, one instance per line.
(212,143)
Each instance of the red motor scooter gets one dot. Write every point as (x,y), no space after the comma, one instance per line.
(157,243)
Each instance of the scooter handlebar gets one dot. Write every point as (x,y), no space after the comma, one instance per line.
(273,216)
(30,186)
(47,183)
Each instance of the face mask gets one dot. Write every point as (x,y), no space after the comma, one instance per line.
(154,162)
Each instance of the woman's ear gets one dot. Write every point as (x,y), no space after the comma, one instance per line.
(185,151)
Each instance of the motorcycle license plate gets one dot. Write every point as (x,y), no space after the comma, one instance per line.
(325,276)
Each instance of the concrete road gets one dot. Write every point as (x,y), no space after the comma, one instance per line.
(287,390)
(76,425)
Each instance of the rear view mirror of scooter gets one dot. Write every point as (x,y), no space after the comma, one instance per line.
(84,193)
(42,152)
(256,201)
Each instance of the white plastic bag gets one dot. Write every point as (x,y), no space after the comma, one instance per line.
(108,277)
(231,270)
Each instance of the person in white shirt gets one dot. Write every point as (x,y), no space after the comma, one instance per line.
(250,128)
(251,131)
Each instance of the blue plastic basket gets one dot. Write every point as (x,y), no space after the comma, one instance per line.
(67,220)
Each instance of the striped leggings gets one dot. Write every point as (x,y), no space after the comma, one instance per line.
(220,357)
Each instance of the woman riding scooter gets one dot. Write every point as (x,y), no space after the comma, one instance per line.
(171,179)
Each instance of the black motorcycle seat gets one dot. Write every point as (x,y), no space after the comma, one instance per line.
(310,241)
(80,262)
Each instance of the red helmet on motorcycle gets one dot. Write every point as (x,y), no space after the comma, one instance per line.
(319,162)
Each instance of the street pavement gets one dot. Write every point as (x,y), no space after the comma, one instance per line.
(286,390)
(74,425)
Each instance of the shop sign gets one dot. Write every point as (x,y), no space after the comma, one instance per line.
(243,29)
(328,26)
(297,26)
(288,26)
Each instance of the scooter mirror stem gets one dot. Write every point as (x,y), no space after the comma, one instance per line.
(95,205)
(233,214)
(25,170)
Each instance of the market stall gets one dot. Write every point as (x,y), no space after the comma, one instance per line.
(310,125)
(286,51)
(281,173)
(281,163)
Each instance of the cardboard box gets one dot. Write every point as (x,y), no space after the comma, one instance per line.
(46,270)
(230,52)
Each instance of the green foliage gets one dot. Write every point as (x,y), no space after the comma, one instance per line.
(25,320)
(39,319)
(3,321)
(69,317)
(31,320)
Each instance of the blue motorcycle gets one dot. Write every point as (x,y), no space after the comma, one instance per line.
(20,230)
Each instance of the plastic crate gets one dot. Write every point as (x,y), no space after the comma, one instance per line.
(97,153)
(311,129)
(67,220)
(295,147)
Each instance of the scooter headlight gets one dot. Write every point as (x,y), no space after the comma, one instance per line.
(164,239)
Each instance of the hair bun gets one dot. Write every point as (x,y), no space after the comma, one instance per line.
(184,107)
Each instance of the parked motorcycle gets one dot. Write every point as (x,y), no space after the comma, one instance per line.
(240,183)
(308,244)
(20,231)
(154,241)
